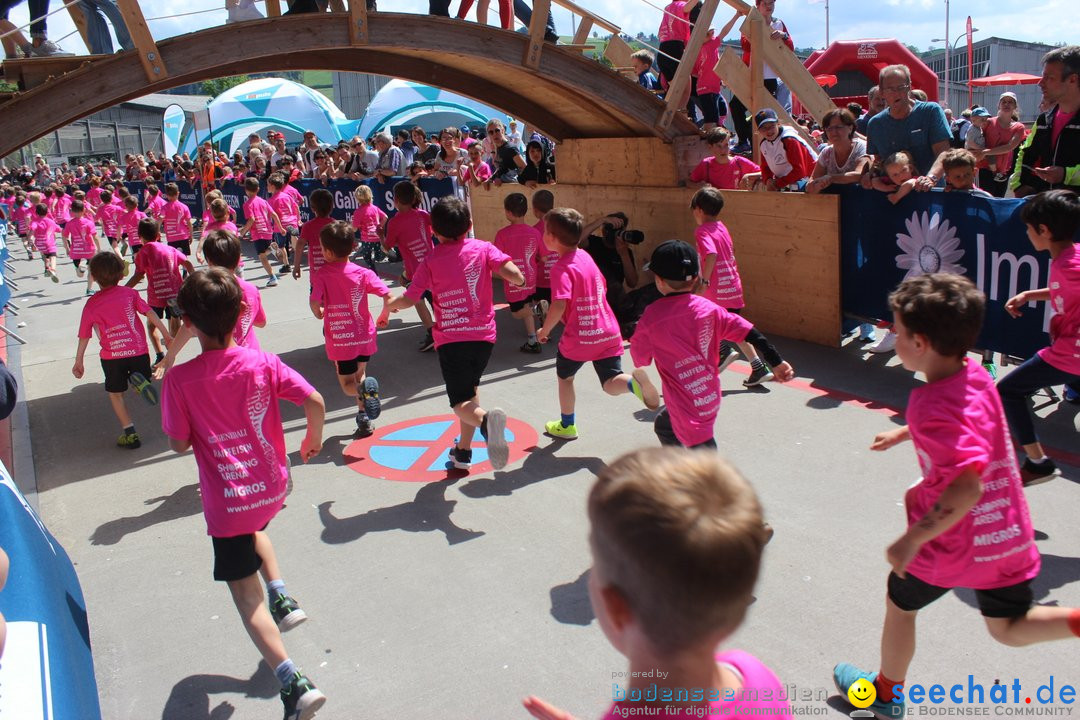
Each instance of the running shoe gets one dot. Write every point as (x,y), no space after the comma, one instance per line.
(286,612)
(364,426)
(272,282)
(1033,473)
(301,699)
(142,386)
(644,390)
(758,375)
(727,356)
(533,348)
(460,459)
(370,396)
(557,430)
(845,675)
(497,449)
(428,344)
(886,344)
(128,441)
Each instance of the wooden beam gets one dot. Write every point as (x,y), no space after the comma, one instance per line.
(618,52)
(741,6)
(583,30)
(79,18)
(358,24)
(737,78)
(273,8)
(537,29)
(337,6)
(149,55)
(680,84)
(757,81)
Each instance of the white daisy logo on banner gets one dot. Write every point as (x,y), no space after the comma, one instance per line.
(929,246)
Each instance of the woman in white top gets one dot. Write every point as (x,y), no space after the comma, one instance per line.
(450,157)
(841,162)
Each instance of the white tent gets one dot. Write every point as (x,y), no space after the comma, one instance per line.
(269,103)
(401,102)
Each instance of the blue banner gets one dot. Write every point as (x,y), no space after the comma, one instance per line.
(47,670)
(984,239)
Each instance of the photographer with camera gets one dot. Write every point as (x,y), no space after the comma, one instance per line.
(612,253)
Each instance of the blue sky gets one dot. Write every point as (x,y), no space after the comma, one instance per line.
(911,21)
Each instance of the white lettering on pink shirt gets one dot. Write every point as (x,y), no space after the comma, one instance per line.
(1064,350)
(113,315)
(342,288)
(410,232)
(590,330)
(177,221)
(725,286)
(523,244)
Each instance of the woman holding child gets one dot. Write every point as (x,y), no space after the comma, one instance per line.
(1003,135)
(842,161)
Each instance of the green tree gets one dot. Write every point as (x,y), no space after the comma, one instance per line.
(215,87)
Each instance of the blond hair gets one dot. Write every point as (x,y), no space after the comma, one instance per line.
(363,195)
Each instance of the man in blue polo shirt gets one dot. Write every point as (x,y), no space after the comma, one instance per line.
(907,124)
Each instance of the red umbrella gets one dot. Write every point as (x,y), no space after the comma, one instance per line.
(825,80)
(1007,79)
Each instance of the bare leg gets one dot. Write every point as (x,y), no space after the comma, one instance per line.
(248,596)
(470,416)
(567,396)
(1041,624)
(897,641)
(1035,451)
(425,314)
(154,339)
(618,385)
(750,354)
(120,408)
(265,551)
(265,260)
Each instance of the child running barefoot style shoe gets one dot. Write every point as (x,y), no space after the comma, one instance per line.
(677,539)
(224,406)
(590,330)
(339,297)
(1052,220)
(456,273)
(968,521)
(111,314)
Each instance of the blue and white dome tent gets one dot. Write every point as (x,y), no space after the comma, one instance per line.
(402,103)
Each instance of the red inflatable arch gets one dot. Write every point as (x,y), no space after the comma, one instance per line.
(869,57)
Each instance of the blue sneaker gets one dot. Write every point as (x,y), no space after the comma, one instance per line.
(1072,396)
(845,675)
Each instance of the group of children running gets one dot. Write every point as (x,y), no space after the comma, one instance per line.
(677,534)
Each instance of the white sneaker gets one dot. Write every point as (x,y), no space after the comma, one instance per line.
(272,282)
(886,344)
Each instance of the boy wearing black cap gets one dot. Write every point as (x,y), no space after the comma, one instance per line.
(682,333)
(786,160)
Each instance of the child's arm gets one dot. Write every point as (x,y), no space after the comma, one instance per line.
(298,245)
(177,344)
(1015,304)
(77,369)
(384,316)
(883,184)
(951,507)
(542,710)
(399,303)
(277,222)
(511,273)
(706,273)
(903,191)
(187,266)
(890,438)
(315,412)
(316,309)
(135,279)
(554,315)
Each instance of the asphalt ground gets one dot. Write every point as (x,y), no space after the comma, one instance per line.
(457,597)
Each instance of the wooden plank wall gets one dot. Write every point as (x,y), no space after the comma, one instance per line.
(787,244)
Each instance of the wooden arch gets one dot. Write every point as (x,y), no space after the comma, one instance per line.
(566,96)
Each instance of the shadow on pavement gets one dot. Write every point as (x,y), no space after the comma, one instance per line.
(191,698)
(184,502)
(541,463)
(570,602)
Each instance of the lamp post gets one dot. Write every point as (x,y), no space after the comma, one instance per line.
(949,49)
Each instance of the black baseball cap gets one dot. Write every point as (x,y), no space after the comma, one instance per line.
(767,115)
(674,260)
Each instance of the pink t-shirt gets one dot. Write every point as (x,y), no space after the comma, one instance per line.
(50,207)
(342,288)
(681,333)
(156,208)
(177,221)
(760,695)
(996,136)
(724,176)
(458,274)
(671,27)
(725,287)
(161,265)
(251,315)
(1061,119)
(208,217)
(225,225)
(294,194)
(1064,350)
(93,197)
(259,213)
(113,315)
(82,234)
(62,209)
(129,225)
(109,215)
(225,402)
(523,244)
(44,230)
(709,83)
(548,258)
(590,330)
(22,216)
(287,208)
(366,220)
(410,232)
(957,424)
(310,234)
(481,172)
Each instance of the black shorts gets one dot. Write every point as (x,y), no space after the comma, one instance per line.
(519,304)
(48,254)
(667,61)
(462,364)
(349,367)
(910,594)
(665,433)
(262,246)
(710,109)
(135,250)
(235,557)
(606,368)
(118,370)
(183,246)
(542,293)
(166,312)
(112,240)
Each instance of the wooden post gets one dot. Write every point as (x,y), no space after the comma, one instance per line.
(149,55)
(79,19)
(358,22)
(757,81)
(676,93)
(273,8)
(618,52)
(537,28)
(583,30)
(737,78)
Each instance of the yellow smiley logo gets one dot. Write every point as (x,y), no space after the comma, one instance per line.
(862,693)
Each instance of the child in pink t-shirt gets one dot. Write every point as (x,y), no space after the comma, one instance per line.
(542,203)
(128,222)
(112,314)
(409,230)
(339,297)
(1052,219)
(669,610)
(321,203)
(590,330)
(723,170)
(161,265)
(218,219)
(524,245)
(155,204)
(684,334)
(263,222)
(968,521)
(176,220)
(370,224)
(80,241)
(456,273)
(285,201)
(21,216)
(224,406)
(44,229)
(109,217)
